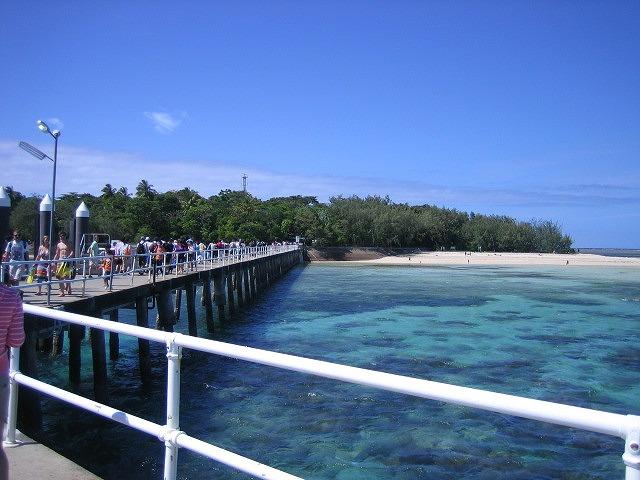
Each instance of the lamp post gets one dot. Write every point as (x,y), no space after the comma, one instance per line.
(44,128)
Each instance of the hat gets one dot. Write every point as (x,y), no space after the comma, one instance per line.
(147,238)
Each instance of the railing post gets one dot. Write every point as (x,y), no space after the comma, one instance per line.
(631,456)
(14,359)
(174,355)
(111,274)
(84,276)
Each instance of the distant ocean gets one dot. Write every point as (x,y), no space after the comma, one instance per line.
(612,252)
(557,334)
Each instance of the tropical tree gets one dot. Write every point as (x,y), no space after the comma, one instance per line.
(145,190)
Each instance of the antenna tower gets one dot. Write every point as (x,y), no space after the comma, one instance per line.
(244,182)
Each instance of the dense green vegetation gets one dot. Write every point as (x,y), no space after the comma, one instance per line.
(352,221)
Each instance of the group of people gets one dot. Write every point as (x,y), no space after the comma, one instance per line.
(17,251)
(115,258)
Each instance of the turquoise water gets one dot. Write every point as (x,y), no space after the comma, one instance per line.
(566,335)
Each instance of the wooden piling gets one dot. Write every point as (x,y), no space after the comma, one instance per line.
(178,304)
(253,283)
(114,338)
(260,283)
(218,292)
(165,319)
(58,341)
(99,360)
(142,320)
(76,334)
(230,287)
(191,309)
(239,274)
(208,305)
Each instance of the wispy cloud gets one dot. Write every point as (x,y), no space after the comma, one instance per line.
(164,122)
(87,170)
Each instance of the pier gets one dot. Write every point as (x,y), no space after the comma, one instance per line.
(227,282)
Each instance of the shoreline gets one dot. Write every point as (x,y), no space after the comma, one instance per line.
(491,258)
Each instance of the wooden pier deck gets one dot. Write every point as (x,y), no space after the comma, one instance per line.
(124,289)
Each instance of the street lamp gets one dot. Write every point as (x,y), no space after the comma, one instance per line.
(44,128)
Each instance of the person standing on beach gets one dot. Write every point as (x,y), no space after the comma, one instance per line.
(11,335)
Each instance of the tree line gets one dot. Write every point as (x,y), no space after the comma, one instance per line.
(343,221)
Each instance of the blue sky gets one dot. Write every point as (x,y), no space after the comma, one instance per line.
(528,109)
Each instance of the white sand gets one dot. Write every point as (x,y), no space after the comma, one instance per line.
(488,258)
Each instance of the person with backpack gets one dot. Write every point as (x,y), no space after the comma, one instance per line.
(141,253)
(16,252)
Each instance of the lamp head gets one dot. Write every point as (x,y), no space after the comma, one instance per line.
(56,133)
(44,128)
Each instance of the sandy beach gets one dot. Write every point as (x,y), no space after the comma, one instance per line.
(489,258)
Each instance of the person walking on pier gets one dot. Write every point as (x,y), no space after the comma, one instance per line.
(16,252)
(105,266)
(63,270)
(11,335)
(141,255)
(42,269)
(94,251)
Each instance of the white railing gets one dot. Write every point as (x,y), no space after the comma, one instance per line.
(626,427)
(150,264)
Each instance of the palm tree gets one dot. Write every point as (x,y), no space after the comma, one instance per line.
(123,191)
(145,189)
(108,190)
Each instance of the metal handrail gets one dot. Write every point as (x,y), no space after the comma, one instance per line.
(623,426)
(223,256)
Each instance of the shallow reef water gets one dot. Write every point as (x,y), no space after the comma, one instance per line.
(567,335)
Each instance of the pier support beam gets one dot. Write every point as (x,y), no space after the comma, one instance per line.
(239,275)
(231,280)
(76,334)
(252,281)
(191,309)
(99,360)
(247,278)
(142,320)
(218,292)
(165,319)
(178,303)
(114,338)
(58,341)
(208,304)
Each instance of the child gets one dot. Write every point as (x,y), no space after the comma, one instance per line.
(105,265)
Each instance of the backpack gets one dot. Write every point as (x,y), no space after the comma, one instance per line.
(140,249)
